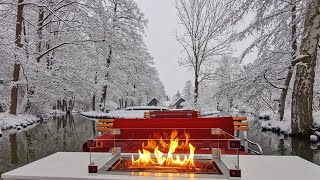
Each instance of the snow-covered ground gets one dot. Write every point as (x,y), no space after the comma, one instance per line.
(212,113)
(117,114)
(285,125)
(9,121)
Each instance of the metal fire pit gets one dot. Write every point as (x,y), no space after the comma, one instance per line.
(210,165)
(111,167)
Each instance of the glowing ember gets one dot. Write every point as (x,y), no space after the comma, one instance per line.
(159,160)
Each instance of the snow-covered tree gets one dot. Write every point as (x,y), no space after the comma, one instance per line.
(275,28)
(302,96)
(204,24)
(176,96)
(228,71)
(187,92)
(70,50)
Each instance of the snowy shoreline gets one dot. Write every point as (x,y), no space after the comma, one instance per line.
(282,126)
(18,122)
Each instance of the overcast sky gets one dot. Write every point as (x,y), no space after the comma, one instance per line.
(162,44)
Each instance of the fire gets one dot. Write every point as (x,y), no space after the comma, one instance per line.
(160,146)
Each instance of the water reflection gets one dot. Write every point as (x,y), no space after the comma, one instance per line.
(13,145)
(282,148)
(65,133)
(301,147)
(279,144)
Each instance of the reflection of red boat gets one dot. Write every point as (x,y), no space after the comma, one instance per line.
(158,121)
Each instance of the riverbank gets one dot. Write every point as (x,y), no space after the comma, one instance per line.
(19,121)
(269,121)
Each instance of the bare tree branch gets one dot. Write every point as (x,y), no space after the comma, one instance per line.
(264,75)
(66,43)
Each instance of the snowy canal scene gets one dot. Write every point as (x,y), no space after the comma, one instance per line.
(159,89)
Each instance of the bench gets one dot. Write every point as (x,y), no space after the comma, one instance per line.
(105,125)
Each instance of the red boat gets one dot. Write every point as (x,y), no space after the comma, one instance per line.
(156,122)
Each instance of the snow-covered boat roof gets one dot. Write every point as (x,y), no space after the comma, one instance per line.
(129,112)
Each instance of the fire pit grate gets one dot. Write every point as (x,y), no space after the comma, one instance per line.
(201,167)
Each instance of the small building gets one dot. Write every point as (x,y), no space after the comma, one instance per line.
(154,102)
(178,104)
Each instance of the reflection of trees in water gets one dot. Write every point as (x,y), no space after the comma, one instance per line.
(301,147)
(66,133)
(282,148)
(14,149)
(64,120)
(278,144)
(94,127)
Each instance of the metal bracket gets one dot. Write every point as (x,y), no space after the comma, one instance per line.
(115,131)
(116,150)
(215,131)
(216,152)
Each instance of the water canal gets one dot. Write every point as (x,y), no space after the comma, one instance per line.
(67,133)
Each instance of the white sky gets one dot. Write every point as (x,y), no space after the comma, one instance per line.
(163,46)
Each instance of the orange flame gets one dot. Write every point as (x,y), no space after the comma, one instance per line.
(159,160)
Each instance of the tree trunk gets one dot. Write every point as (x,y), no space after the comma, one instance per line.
(39,31)
(284,92)
(94,94)
(14,90)
(94,102)
(302,96)
(16,69)
(104,95)
(196,88)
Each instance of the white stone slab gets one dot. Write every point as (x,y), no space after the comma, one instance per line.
(74,166)
(278,167)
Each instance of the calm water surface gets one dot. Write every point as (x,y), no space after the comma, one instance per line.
(67,133)
(278,144)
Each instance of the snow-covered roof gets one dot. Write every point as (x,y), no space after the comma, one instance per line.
(177,101)
(147,108)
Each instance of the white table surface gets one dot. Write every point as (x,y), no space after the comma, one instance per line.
(74,166)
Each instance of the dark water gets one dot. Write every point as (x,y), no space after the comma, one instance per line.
(65,133)
(279,144)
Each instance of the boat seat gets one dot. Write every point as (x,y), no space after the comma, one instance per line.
(241,125)
(198,128)
(105,125)
(231,125)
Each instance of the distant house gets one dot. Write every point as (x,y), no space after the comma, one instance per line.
(154,102)
(178,104)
